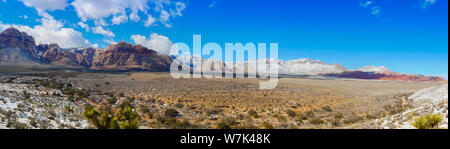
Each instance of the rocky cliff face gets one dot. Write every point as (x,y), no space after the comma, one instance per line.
(53,54)
(17,48)
(85,56)
(124,56)
(386,76)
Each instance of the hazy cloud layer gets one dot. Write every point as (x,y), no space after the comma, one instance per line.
(52,31)
(156,42)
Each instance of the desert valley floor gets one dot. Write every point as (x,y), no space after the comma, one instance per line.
(52,98)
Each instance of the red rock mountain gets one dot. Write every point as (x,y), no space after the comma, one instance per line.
(386,76)
(19,48)
(124,56)
(53,54)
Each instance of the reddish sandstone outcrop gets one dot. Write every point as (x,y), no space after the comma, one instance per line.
(124,56)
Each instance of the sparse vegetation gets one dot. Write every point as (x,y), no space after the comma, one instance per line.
(291,113)
(427,122)
(352,119)
(123,118)
(327,108)
(434,120)
(421,123)
(302,116)
(338,116)
(267,125)
(371,117)
(253,113)
(310,114)
(172,113)
(227,123)
(167,103)
(316,121)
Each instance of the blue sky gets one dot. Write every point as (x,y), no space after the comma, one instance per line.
(408,36)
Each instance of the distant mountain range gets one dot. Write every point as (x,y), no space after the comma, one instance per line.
(309,67)
(19,48)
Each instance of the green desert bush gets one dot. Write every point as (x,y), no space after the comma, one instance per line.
(434,120)
(123,118)
(427,122)
(128,118)
(420,123)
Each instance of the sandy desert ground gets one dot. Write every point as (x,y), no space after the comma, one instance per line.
(296,103)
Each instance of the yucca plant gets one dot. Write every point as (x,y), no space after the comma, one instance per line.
(128,118)
(434,120)
(427,122)
(421,123)
(124,118)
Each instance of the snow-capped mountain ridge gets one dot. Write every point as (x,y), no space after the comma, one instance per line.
(305,66)
(377,69)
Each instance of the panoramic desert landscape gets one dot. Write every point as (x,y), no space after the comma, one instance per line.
(127,86)
(50,98)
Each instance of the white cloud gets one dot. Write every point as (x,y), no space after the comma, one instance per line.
(83,25)
(179,7)
(156,42)
(375,10)
(124,10)
(119,19)
(164,18)
(213,4)
(375,7)
(97,9)
(427,3)
(43,5)
(100,22)
(366,3)
(445,76)
(370,4)
(52,31)
(150,21)
(101,31)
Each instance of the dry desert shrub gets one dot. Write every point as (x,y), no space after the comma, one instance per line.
(427,122)
(208,102)
(316,121)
